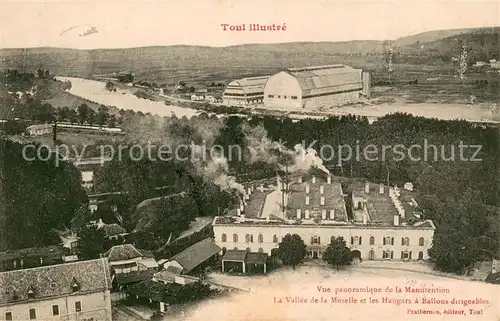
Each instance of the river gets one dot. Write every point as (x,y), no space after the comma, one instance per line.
(124,99)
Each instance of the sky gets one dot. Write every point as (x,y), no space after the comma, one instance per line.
(122,24)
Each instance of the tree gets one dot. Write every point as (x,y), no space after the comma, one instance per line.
(110,86)
(83,113)
(337,253)
(91,242)
(292,250)
(112,121)
(102,115)
(81,218)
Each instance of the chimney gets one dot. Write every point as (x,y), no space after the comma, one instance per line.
(249,191)
(238,211)
(329,179)
(381,188)
(402,213)
(367,188)
(314,179)
(242,207)
(323,215)
(332,214)
(299,179)
(322,200)
(307,189)
(322,189)
(307,214)
(307,200)
(299,214)
(396,220)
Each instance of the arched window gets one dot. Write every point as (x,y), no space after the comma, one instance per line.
(371,255)
(420,255)
(356,240)
(249,238)
(405,241)
(224,250)
(332,239)
(248,249)
(261,238)
(235,248)
(275,238)
(388,240)
(360,205)
(372,240)
(223,237)
(235,238)
(421,241)
(261,250)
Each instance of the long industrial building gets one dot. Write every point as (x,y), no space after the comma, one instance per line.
(316,87)
(384,223)
(246,91)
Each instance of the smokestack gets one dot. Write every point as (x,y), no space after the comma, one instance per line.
(329,179)
(307,200)
(396,220)
(307,214)
(322,189)
(323,215)
(402,213)
(299,214)
(314,179)
(367,188)
(307,188)
(299,179)
(242,207)
(249,192)
(332,214)
(381,188)
(238,212)
(322,200)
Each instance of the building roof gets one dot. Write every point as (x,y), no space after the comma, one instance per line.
(149,263)
(133,277)
(47,252)
(113,229)
(235,255)
(318,77)
(54,280)
(248,85)
(169,274)
(256,258)
(125,252)
(196,254)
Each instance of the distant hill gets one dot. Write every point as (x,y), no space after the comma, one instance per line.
(163,62)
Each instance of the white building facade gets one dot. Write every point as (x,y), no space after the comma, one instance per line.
(316,87)
(246,91)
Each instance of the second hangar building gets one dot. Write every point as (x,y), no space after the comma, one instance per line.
(316,87)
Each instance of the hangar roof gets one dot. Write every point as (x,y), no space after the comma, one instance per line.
(249,85)
(325,76)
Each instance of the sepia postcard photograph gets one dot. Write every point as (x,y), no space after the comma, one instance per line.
(249,160)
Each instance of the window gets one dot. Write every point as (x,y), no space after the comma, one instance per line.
(261,250)
(356,240)
(8,316)
(223,237)
(261,238)
(421,241)
(270,96)
(332,239)
(420,255)
(294,97)
(371,255)
(78,306)
(284,97)
(388,241)
(372,240)
(248,249)
(249,238)
(275,238)
(279,96)
(388,254)
(55,310)
(405,241)
(235,238)
(315,240)
(360,240)
(360,205)
(32,314)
